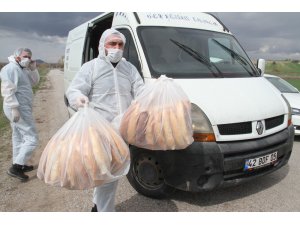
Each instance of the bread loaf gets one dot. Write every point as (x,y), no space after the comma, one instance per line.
(100,153)
(150,131)
(141,127)
(158,128)
(84,155)
(130,129)
(177,132)
(167,129)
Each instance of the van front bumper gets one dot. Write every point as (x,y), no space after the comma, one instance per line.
(206,166)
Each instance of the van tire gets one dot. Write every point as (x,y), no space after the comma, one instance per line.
(146,176)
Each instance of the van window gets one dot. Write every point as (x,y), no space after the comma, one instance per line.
(193,53)
(130,52)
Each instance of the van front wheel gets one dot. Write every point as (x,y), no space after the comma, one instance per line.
(146,176)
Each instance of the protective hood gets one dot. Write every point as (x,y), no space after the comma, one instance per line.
(12,59)
(105,34)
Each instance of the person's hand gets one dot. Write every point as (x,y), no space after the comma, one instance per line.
(32,65)
(81,101)
(15,114)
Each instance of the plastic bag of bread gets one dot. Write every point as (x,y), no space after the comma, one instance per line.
(159,118)
(85,152)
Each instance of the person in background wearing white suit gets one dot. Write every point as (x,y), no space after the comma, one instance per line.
(111,83)
(17,79)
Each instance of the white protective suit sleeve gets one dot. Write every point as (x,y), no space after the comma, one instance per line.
(9,83)
(80,85)
(34,76)
(15,113)
(137,84)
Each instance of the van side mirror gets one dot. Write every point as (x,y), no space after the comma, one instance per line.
(261,64)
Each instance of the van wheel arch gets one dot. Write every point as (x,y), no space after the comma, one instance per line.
(146,175)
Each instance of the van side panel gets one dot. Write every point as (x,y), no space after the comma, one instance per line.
(75,55)
(74,52)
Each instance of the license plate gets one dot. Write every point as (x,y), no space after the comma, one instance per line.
(261,161)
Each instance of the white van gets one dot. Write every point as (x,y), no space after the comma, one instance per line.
(242,126)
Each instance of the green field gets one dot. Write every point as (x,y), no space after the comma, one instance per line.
(283,68)
(4,123)
(288,70)
(294,82)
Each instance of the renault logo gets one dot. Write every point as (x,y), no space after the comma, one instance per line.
(259,127)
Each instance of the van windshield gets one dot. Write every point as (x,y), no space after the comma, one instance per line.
(192,53)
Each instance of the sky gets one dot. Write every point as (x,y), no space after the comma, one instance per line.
(45,33)
(268,35)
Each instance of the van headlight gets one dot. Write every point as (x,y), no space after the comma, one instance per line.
(289,110)
(202,127)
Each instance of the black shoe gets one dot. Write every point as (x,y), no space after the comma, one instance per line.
(26,168)
(17,172)
(94,209)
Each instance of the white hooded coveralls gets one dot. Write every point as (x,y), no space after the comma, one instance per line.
(16,89)
(111,89)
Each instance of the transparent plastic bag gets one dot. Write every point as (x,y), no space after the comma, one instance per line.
(159,118)
(85,152)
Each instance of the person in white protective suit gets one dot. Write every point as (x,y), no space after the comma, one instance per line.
(17,79)
(111,83)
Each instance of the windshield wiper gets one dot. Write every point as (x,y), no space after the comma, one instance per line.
(237,57)
(197,56)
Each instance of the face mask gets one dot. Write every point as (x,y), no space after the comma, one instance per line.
(114,54)
(25,62)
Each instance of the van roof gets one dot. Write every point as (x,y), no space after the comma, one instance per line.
(196,20)
(204,21)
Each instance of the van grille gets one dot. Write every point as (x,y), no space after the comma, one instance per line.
(235,128)
(274,122)
(246,127)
